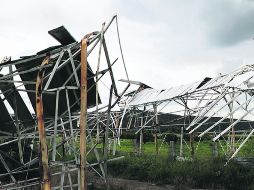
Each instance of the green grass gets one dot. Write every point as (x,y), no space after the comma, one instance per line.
(202,150)
(206,173)
(203,172)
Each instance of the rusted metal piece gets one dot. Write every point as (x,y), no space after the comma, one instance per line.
(45,174)
(83,115)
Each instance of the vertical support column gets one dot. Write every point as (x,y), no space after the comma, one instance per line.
(117,120)
(187,115)
(192,151)
(55,127)
(172,150)
(83,115)
(62,178)
(140,141)
(156,126)
(141,137)
(45,184)
(232,146)
(215,152)
(181,143)
(18,128)
(17,120)
(231,138)
(69,177)
(63,137)
(71,127)
(182,128)
(106,138)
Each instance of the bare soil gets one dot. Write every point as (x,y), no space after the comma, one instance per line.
(125,184)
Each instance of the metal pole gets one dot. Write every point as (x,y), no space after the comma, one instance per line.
(18,128)
(117,120)
(45,184)
(55,127)
(181,143)
(232,144)
(17,120)
(156,126)
(83,115)
(106,138)
(97,80)
(71,127)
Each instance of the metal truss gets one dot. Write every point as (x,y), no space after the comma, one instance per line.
(62,88)
(220,106)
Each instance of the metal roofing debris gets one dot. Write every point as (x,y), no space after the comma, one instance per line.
(6,123)
(16,102)
(142,86)
(60,77)
(230,98)
(27,68)
(149,96)
(59,107)
(6,59)
(62,35)
(134,82)
(242,78)
(204,82)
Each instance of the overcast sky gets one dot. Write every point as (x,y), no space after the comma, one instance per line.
(165,43)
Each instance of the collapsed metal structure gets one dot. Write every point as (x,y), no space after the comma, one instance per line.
(61,86)
(221,106)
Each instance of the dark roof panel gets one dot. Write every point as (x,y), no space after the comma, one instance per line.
(62,35)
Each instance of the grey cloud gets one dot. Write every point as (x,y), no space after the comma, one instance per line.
(137,10)
(166,38)
(228,22)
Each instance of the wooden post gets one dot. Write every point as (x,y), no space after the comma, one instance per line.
(45,183)
(83,115)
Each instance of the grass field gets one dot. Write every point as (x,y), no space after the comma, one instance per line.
(202,149)
(204,171)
